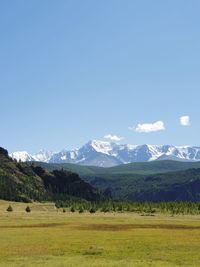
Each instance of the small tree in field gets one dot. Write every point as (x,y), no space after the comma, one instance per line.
(28,209)
(9,209)
(81,210)
(105,209)
(72,209)
(92,210)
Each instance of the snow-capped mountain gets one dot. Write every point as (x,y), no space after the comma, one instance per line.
(43,156)
(22,156)
(106,154)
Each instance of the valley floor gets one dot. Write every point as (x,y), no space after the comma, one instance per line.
(50,238)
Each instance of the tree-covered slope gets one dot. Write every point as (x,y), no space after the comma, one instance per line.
(18,182)
(80,169)
(172,186)
(153,167)
(25,182)
(145,168)
(154,181)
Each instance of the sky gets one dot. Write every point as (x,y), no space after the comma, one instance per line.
(119,70)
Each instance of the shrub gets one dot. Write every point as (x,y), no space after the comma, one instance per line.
(81,210)
(120,208)
(92,210)
(105,209)
(64,210)
(9,209)
(72,209)
(28,209)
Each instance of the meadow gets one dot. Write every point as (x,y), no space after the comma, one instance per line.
(50,237)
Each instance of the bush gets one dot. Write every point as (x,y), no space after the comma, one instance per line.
(28,209)
(64,210)
(9,209)
(81,210)
(72,209)
(92,210)
(105,209)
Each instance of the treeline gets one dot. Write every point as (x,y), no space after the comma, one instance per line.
(143,208)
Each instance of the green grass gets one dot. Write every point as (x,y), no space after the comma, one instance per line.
(47,237)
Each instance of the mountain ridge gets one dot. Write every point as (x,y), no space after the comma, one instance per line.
(108,154)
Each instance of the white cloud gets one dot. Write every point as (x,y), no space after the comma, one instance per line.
(185,120)
(149,127)
(113,137)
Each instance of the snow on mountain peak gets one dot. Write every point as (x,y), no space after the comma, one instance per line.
(130,147)
(21,156)
(101,146)
(103,153)
(43,156)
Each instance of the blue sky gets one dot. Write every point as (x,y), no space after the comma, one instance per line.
(71,71)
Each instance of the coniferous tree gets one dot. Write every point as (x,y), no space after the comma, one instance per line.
(92,210)
(9,209)
(72,209)
(81,210)
(28,209)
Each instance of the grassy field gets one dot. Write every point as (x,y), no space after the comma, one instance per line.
(47,237)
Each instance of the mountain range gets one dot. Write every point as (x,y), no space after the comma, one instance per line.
(107,154)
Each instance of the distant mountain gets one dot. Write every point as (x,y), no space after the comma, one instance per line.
(106,154)
(23,156)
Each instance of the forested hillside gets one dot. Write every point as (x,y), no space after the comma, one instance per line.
(149,181)
(23,182)
(138,182)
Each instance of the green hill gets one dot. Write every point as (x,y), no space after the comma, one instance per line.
(157,180)
(153,167)
(25,182)
(172,186)
(144,168)
(80,169)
